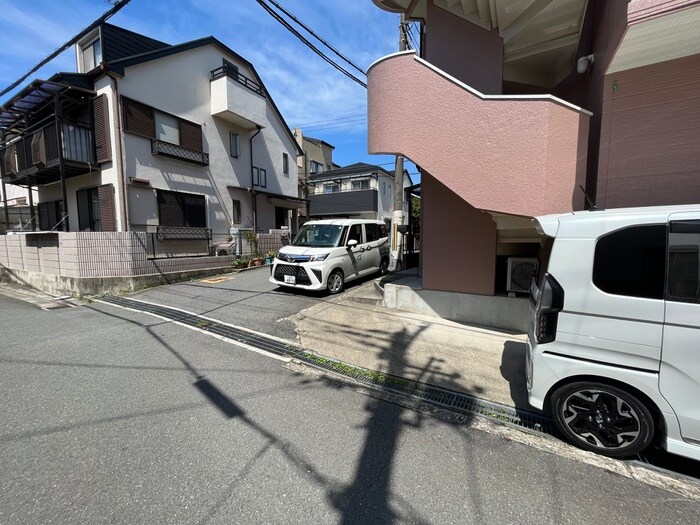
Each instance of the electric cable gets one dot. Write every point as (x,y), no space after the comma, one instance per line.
(320,53)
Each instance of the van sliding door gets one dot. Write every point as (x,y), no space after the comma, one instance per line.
(679,378)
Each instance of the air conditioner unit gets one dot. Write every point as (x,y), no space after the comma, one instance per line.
(9,162)
(39,149)
(521,270)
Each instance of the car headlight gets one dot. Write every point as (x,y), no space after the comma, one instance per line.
(321,257)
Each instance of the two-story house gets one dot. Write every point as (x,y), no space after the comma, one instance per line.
(148,135)
(359,190)
(515,106)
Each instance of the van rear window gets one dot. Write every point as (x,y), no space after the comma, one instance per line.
(632,262)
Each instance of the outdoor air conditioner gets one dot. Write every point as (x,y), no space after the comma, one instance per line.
(9,162)
(39,149)
(520,273)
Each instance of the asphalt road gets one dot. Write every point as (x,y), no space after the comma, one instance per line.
(109,416)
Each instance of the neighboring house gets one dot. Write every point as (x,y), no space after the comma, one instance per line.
(15,212)
(316,157)
(359,190)
(514,105)
(154,135)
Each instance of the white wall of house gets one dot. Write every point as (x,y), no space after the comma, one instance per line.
(180,85)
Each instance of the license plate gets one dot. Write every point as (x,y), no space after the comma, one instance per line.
(290,279)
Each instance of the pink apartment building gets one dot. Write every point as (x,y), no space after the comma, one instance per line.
(511,105)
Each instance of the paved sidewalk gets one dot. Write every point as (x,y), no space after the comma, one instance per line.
(354,327)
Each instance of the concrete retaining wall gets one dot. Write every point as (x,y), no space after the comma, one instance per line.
(509,313)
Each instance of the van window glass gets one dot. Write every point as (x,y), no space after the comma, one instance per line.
(355,233)
(544,255)
(372,232)
(684,262)
(631,262)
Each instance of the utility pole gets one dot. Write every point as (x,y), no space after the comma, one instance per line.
(397,217)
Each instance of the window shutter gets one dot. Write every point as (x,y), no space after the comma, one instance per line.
(190,135)
(107,219)
(100,112)
(139,118)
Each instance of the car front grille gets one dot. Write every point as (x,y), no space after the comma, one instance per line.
(287,269)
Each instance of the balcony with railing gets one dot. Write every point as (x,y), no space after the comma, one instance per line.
(175,151)
(35,156)
(346,202)
(237,98)
(521,154)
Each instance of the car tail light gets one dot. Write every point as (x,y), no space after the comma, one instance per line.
(550,302)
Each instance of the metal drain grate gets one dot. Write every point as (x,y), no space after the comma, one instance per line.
(442,397)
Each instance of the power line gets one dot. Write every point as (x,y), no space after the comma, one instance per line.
(328,121)
(309,44)
(312,33)
(117,6)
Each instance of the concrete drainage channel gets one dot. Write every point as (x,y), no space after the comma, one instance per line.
(532,422)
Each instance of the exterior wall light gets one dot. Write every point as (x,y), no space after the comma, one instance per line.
(583,64)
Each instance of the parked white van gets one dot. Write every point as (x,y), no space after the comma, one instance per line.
(326,254)
(614,338)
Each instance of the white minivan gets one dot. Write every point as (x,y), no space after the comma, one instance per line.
(326,254)
(614,339)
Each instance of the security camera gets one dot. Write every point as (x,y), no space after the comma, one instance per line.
(583,63)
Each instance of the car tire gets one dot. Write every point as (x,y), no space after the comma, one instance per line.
(602,418)
(383,267)
(335,282)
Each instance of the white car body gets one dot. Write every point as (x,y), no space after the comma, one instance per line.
(646,344)
(299,266)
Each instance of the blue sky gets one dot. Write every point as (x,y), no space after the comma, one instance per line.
(309,92)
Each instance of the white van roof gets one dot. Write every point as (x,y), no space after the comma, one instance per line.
(586,223)
(344,222)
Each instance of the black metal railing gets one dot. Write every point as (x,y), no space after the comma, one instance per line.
(234,74)
(182,233)
(175,151)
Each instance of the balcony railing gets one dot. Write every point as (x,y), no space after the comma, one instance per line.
(38,151)
(233,73)
(343,202)
(175,151)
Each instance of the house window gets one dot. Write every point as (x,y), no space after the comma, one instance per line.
(167,128)
(259,177)
(360,185)
(96,209)
(331,188)
(316,167)
(285,163)
(235,145)
(50,214)
(181,209)
(236,216)
(92,55)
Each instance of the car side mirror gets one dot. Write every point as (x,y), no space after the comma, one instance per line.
(352,243)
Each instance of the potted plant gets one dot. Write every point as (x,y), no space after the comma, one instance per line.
(269,257)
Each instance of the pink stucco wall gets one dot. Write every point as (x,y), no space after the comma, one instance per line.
(642,9)
(464,50)
(649,149)
(465,260)
(521,156)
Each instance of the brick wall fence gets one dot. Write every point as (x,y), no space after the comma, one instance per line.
(83,263)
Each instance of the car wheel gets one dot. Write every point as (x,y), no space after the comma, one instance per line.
(383,267)
(603,419)
(335,282)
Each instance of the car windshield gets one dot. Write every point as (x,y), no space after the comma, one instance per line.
(318,235)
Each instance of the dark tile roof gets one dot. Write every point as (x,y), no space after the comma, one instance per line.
(357,168)
(319,142)
(119,43)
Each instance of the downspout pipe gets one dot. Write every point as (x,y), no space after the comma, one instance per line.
(120,161)
(254,195)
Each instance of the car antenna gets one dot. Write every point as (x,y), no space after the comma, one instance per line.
(592,205)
